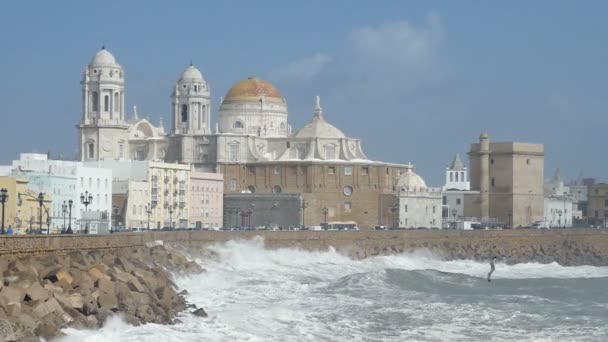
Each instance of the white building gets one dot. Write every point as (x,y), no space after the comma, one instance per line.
(67,180)
(419,206)
(560,205)
(456,192)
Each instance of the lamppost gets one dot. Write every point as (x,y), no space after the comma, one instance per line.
(149,212)
(86,199)
(303,206)
(559,220)
(274,205)
(115,210)
(510,215)
(69,231)
(250,217)
(454,213)
(40,200)
(64,210)
(171,207)
(325,211)
(3,199)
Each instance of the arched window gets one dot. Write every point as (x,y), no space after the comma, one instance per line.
(116,102)
(251,189)
(330,151)
(184,113)
(238,124)
(106,103)
(195,88)
(451,176)
(95,101)
(277,189)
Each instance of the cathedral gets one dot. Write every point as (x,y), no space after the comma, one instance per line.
(252,144)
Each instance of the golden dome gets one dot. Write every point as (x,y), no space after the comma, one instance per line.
(253,87)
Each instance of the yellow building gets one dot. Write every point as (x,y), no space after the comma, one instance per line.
(23,214)
(169,197)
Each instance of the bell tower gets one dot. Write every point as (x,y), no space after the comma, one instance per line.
(191,104)
(102,125)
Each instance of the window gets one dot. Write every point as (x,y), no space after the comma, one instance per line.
(445,200)
(331,170)
(184,113)
(365,170)
(493,182)
(348,170)
(251,170)
(528,161)
(91,150)
(233,152)
(451,176)
(233,185)
(348,206)
(106,183)
(90,182)
(116,102)
(195,88)
(301,151)
(458,201)
(492,161)
(433,209)
(139,154)
(98,183)
(405,208)
(106,103)
(456,176)
(95,101)
(348,190)
(277,170)
(237,124)
(106,199)
(277,189)
(134,209)
(251,189)
(330,151)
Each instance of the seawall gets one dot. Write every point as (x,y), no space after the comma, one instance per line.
(565,246)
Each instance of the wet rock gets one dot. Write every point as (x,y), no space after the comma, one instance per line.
(200,312)
(6,331)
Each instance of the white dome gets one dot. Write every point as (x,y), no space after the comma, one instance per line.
(410,181)
(319,128)
(191,74)
(103,58)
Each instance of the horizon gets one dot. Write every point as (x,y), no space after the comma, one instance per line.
(455,70)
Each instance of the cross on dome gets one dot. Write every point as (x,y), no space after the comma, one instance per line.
(318,109)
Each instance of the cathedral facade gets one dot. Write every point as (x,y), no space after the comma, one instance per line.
(252,144)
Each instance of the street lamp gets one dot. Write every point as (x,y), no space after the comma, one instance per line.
(64,210)
(454,213)
(171,215)
(149,212)
(303,206)
(69,231)
(325,211)
(274,205)
(510,215)
(40,200)
(3,199)
(559,220)
(250,217)
(86,199)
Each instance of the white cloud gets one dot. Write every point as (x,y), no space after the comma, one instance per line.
(397,45)
(303,69)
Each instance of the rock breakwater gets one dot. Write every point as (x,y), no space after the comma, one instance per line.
(41,295)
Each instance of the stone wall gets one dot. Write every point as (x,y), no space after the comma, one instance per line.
(565,246)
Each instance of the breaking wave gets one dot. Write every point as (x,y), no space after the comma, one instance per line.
(253,294)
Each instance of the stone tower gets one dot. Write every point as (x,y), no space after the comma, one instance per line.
(484,176)
(103,130)
(191,104)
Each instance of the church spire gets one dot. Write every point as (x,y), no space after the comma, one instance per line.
(318,110)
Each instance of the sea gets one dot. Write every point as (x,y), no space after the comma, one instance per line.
(254,294)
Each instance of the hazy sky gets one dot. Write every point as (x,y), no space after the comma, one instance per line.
(416,81)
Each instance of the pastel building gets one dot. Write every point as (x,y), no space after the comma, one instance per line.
(23,214)
(64,181)
(206,199)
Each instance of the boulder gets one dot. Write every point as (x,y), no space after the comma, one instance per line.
(63,275)
(200,312)
(50,326)
(11,295)
(107,301)
(6,331)
(105,285)
(49,306)
(74,301)
(96,273)
(37,292)
(145,313)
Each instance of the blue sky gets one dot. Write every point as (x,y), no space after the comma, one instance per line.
(416,81)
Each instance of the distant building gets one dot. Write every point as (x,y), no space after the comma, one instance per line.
(166,191)
(579,189)
(559,205)
(419,205)
(264,210)
(22,209)
(130,204)
(598,204)
(206,200)
(456,192)
(509,178)
(65,181)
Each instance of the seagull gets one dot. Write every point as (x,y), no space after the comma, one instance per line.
(491,268)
